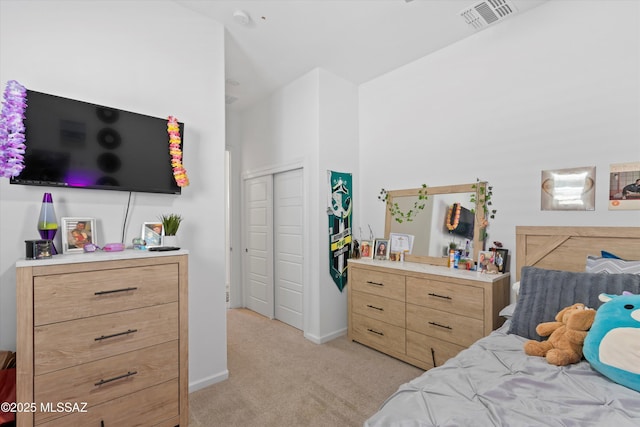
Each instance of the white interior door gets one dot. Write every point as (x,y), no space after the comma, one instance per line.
(288,246)
(259,245)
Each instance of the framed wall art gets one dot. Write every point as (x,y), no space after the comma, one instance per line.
(76,233)
(152,233)
(624,186)
(569,189)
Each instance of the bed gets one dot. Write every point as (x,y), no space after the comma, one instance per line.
(493,383)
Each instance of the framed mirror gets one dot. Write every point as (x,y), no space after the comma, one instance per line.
(429,227)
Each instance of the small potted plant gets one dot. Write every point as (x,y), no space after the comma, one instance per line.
(170,224)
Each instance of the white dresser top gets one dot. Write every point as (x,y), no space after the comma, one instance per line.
(97,256)
(430,269)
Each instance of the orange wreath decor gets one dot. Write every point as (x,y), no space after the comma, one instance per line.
(456,220)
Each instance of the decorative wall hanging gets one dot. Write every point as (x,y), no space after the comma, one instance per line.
(179,172)
(569,189)
(12,138)
(624,186)
(340,236)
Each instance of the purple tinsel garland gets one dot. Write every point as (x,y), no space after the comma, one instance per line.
(12,139)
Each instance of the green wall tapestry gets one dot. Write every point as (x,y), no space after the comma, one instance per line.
(340,236)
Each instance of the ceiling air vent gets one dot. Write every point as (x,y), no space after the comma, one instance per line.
(487,12)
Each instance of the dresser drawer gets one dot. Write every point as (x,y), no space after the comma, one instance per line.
(106,379)
(446,326)
(373,282)
(426,349)
(69,296)
(459,299)
(377,307)
(61,345)
(147,407)
(375,332)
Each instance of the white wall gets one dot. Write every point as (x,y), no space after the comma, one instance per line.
(158,60)
(312,122)
(338,152)
(556,87)
(233,129)
(282,128)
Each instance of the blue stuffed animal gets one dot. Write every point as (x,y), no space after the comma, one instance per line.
(612,345)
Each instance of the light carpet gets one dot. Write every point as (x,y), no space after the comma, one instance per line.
(279,378)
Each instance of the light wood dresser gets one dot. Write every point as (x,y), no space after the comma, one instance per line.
(419,313)
(102,339)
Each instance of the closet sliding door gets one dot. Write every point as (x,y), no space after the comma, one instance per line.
(288,246)
(274,250)
(258,259)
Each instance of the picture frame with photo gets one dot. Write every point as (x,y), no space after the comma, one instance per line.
(76,233)
(485,258)
(152,234)
(501,260)
(381,249)
(366,249)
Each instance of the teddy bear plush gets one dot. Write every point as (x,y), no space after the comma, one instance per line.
(566,336)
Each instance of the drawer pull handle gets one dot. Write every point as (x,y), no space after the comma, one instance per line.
(127,332)
(374,307)
(376,332)
(433,357)
(119,377)
(439,296)
(375,283)
(114,291)
(440,326)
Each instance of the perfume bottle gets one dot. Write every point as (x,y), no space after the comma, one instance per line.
(456,258)
(47,223)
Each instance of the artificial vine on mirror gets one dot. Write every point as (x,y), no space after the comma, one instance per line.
(483,195)
(394,209)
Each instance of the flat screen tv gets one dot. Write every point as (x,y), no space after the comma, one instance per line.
(465,223)
(77,144)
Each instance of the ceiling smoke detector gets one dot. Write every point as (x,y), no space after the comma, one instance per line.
(241,17)
(487,12)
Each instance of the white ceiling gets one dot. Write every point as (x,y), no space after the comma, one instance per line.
(355,39)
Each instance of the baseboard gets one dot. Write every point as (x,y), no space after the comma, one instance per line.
(325,338)
(206,382)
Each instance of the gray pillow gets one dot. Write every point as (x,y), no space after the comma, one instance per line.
(611,265)
(543,293)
